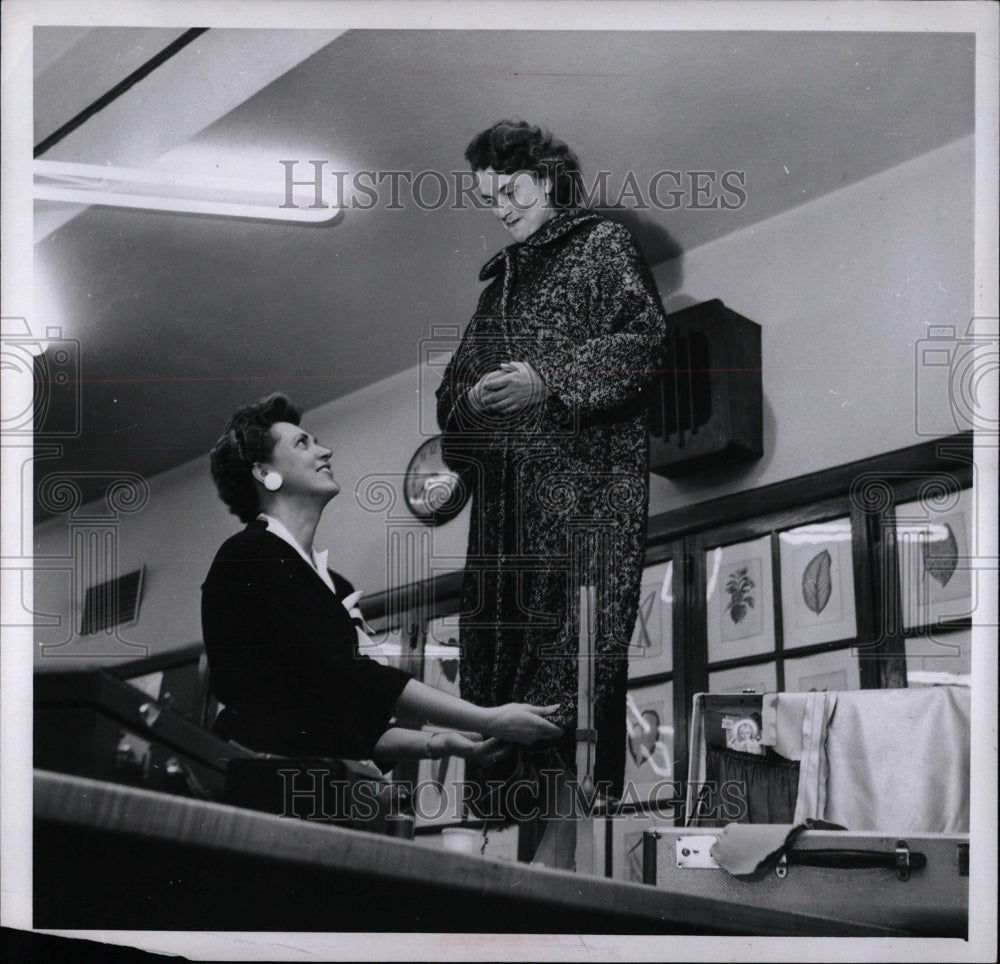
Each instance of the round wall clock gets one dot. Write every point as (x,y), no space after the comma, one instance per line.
(433,492)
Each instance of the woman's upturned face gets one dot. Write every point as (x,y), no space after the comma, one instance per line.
(303,462)
(520,200)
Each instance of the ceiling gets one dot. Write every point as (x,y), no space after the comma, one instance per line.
(180,318)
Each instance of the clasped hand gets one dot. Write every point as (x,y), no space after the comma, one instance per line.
(523,723)
(472,746)
(508,389)
(506,725)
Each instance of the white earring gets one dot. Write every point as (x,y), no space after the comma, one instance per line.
(272,481)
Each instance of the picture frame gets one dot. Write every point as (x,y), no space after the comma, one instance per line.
(443,631)
(932,537)
(759,677)
(834,670)
(442,672)
(930,659)
(441,658)
(626,830)
(649,750)
(817,583)
(739,593)
(650,650)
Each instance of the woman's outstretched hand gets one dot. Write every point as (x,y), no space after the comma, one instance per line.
(471,746)
(522,723)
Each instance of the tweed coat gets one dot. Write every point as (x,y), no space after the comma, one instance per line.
(560,490)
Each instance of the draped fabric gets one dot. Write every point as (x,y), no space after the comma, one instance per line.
(560,490)
(899,760)
(894,759)
(748,788)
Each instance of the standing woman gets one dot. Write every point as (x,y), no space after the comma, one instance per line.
(543,408)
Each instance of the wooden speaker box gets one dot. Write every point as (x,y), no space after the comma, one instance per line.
(707,410)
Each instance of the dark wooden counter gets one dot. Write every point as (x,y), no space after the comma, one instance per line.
(114,857)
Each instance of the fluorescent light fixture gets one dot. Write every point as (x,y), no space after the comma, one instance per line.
(185,193)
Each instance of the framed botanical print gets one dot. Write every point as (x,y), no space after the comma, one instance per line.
(817,583)
(933,552)
(758,678)
(651,648)
(441,655)
(649,755)
(443,631)
(938,659)
(835,670)
(441,672)
(740,600)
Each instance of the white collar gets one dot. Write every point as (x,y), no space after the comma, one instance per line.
(318,559)
(318,563)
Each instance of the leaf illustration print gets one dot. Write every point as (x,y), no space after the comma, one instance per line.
(449,667)
(738,585)
(817,585)
(940,555)
(643,736)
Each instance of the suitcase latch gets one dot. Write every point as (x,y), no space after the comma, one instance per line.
(902,860)
(693,853)
(150,713)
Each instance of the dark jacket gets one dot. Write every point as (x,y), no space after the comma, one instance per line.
(283,655)
(559,491)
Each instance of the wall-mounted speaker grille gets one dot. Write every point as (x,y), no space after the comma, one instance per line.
(112,603)
(707,410)
(685,394)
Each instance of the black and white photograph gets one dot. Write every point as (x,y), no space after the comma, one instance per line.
(500,481)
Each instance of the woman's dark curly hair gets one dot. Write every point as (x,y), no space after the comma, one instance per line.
(247,439)
(513,145)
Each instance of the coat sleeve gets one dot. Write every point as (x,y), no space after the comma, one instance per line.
(614,367)
(453,412)
(467,433)
(476,355)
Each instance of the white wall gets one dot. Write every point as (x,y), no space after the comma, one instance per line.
(844,287)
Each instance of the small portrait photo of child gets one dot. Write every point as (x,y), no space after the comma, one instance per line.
(744,735)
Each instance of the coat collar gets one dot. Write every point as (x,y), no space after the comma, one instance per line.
(561,224)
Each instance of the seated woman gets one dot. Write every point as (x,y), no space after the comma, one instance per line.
(281,643)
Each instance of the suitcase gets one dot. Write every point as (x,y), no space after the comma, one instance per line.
(916,882)
(920,884)
(90,723)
